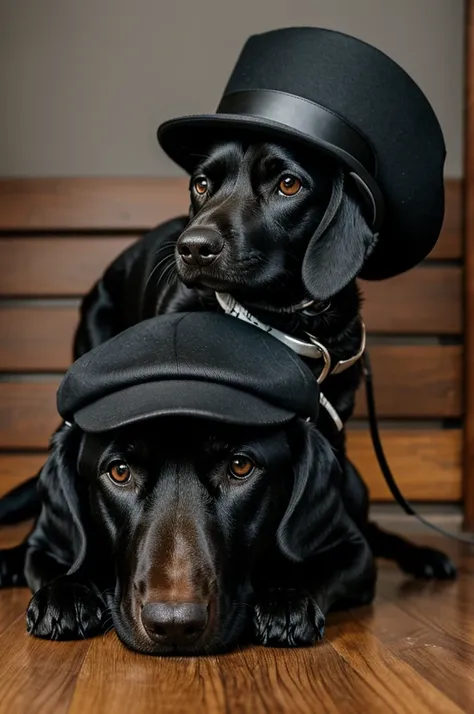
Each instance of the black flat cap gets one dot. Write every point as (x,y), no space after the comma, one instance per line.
(203,365)
(320,89)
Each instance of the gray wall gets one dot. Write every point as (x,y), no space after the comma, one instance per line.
(84,83)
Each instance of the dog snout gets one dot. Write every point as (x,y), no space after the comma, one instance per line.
(175,624)
(200,247)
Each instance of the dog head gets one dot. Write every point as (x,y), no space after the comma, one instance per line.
(190,515)
(267,221)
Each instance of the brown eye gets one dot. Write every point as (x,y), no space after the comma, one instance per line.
(289,185)
(200,185)
(119,473)
(241,466)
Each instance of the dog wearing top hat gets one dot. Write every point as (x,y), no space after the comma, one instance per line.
(323,163)
(196,502)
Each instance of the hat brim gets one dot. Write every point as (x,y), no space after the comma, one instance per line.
(187,398)
(184,139)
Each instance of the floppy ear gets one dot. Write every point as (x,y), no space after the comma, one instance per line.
(60,523)
(315,504)
(341,244)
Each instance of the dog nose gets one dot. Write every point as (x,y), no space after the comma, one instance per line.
(174,624)
(200,247)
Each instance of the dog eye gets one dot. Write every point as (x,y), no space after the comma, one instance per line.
(119,472)
(200,185)
(289,185)
(241,466)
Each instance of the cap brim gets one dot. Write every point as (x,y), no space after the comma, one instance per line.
(201,400)
(182,138)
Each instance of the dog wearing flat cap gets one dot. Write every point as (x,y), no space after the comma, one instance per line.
(323,163)
(195,503)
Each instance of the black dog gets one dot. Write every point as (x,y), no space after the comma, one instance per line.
(185,535)
(256,231)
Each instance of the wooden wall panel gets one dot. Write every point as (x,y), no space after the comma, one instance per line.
(36,339)
(62,266)
(416,381)
(90,203)
(425,462)
(58,235)
(424,301)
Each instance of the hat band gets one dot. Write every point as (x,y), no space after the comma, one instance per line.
(302,115)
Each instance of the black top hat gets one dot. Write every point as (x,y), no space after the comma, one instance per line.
(314,87)
(203,365)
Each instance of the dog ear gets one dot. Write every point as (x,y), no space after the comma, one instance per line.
(61,518)
(341,244)
(315,504)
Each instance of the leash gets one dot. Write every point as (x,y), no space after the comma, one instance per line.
(315,350)
(383,463)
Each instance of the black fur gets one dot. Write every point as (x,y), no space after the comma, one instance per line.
(270,256)
(267,556)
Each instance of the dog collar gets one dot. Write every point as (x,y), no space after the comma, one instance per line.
(312,349)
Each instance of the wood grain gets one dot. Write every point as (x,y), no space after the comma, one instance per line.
(90,203)
(28,414)
(36,339)
(37,676)
(391,677)
(62,266)
(469,271)
(427,463)
(426,300)
(416,381)
(16,468)
(412,652)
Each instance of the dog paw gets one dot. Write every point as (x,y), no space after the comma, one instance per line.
(287,618)
(12,566)
(65,610)
(429,564)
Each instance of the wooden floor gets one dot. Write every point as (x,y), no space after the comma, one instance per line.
(413,651)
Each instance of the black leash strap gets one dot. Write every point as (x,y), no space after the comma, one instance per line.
(383,463)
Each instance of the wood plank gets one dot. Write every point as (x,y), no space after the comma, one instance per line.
(90,203)
(416,381)
(426,300)
(394,679)
(425,462)
(255,680)
(28,414)
(37,676)
(440,658)
(469,272)
(411,652)
(44,267)
(410,381)
(36,339)
(16,468)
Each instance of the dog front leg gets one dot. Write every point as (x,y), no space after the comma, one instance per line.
(293,613)
(64,606)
